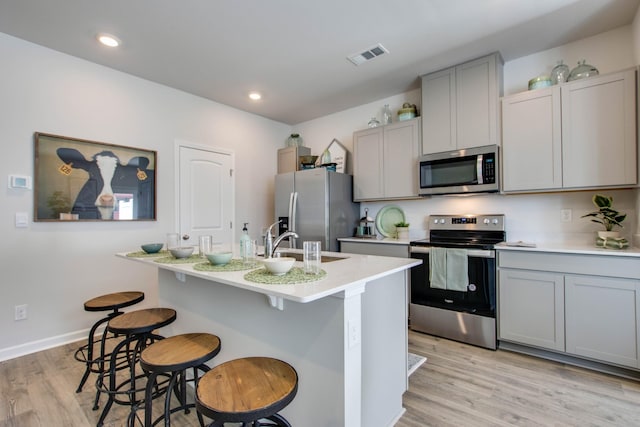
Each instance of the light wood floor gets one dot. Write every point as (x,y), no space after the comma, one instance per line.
(459,385)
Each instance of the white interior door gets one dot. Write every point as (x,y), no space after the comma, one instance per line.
(205,194)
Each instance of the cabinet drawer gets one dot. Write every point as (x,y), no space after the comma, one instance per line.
(598,265)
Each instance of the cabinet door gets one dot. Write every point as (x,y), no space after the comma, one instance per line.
(367,164)
(401,152)
(439,111)
(602,318)
(531,308)
(476,103)
(531,141)
(599,131)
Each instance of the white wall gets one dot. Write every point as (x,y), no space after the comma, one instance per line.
(534,217)
(55,267)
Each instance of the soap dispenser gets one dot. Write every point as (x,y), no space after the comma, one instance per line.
(244,238)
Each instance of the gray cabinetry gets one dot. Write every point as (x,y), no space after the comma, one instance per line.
(385,161)
(582,305)
(580,134)
(371,248)
(531,307)
(460,105)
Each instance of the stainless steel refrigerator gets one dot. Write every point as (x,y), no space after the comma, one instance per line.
(317,204)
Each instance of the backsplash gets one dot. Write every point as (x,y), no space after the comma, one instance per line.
(529,217)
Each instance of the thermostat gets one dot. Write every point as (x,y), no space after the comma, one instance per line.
(20,181)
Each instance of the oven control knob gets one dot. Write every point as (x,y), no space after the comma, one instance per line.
(441,220)
(486,221)
(435,221)
(495,221)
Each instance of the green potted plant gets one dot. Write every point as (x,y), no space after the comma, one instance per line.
(606,215)
(59,204)
(402,230)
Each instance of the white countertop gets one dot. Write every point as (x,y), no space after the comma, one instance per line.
(349,274)
(572,248)
(379,239)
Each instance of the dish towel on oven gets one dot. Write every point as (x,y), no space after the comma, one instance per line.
(457,270)
(438,268)
(448,269)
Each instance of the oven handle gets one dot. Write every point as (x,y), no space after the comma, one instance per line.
(472,253)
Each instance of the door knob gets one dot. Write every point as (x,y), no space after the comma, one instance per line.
(185,237)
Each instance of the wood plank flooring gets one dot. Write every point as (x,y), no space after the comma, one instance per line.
(459,385)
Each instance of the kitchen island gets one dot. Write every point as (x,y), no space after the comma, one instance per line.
(345,334)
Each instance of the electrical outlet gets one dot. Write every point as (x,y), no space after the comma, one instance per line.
(21,312)
(565,215)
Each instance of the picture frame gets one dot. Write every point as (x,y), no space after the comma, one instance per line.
(81,180)
(338,155)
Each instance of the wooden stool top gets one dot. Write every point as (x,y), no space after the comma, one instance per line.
(141,321)
(246,389)
(179,352)
(113,301)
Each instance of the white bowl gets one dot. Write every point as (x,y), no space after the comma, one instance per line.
(279,266)
(219,258)
(182,251)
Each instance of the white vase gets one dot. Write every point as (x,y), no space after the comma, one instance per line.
(402,233)
(608,234)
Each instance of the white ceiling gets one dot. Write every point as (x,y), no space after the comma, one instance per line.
(294,51)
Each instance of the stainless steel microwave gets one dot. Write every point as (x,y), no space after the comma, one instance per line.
(472,170)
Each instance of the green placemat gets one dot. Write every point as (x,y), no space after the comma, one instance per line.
(295,275)
(143,254)
(233,265)
(171,260)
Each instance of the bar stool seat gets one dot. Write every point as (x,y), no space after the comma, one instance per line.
(247,390)
(174,356)
(109,302)
(137,327)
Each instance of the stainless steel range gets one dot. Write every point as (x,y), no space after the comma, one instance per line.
(453,292)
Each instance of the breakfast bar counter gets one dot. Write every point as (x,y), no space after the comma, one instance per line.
(345,334)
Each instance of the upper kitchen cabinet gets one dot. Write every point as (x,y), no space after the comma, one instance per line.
(384,161)
(599,131)
(531,140)
(577,135)
(460,105)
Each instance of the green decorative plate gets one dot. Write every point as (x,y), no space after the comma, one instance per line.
(171,260)
(233,265)
(295,275)
(143,254)
(386,219)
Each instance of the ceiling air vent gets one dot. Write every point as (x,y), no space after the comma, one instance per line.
(367,55)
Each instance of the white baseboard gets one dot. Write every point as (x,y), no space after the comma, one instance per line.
(44,344)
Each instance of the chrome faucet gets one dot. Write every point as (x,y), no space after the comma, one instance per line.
(270,245)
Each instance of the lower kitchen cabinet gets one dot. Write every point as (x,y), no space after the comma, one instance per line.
(364,247)
(587,306)
(531,307)
(601,318)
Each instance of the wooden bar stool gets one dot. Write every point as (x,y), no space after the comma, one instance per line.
(174,356)
(115,302)
(248,390)
(137,327)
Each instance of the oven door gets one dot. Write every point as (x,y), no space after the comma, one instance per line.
(480,299)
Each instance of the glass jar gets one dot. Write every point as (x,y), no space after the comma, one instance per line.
(373,122)
(582,71)
(386,115)
(294,140)
(560,73)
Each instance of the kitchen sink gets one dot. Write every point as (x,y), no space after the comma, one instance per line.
(299,256)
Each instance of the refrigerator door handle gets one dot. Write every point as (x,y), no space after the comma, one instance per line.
(293,207)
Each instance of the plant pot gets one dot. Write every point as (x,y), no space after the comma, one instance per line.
(402,233)
(608,234)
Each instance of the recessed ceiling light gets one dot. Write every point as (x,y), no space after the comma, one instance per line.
(108,40)
(255,96)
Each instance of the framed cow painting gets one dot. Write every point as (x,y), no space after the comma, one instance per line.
(82,180)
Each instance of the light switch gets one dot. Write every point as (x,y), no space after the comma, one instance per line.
(22,220)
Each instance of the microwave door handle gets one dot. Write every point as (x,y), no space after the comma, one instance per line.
(479,174)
